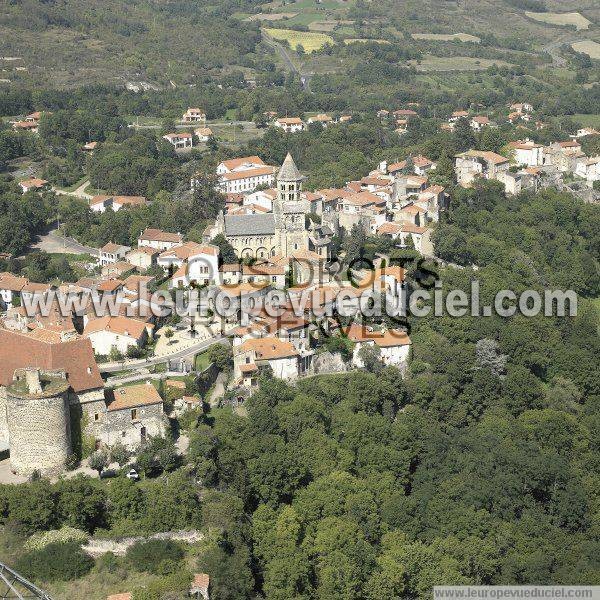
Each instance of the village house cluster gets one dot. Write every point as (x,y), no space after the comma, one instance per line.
(283,236)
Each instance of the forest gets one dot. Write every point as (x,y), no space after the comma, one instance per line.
(479,466)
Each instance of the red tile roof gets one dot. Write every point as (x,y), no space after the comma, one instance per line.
(76,357)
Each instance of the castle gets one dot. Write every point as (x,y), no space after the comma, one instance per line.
(52,397)
(279,233)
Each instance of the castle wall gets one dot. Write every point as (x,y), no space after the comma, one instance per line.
(39,432)
(3,421)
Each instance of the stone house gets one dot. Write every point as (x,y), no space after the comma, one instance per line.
(102,203)
(180,140)
(158,239)
(473,164)
(281,356)
(272,274)
(194,115)
(203,134)
(289,124)
(120,333)
(143,257)
(527,153)
(10,289)
(34,184)
(589,169)
(111,253)
(43,437)
(393,345)
(133,414)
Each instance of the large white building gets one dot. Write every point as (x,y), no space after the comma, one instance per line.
(527,153)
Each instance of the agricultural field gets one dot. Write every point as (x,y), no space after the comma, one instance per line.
(364,40)
(271,16)
(232,134)
(456,63)
(592,49)
(446,37)
(309,40)
(571,18)
(327,26)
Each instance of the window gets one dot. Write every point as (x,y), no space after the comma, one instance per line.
(133,414)
(96,417)
(123,434)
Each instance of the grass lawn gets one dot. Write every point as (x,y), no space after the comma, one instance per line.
(570,18)
(304,18)
(587,120)
(92,191)
(309,40)
(201,361)
(73,187)
(237,134)
(310,6)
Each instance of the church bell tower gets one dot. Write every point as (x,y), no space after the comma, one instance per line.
(290,210)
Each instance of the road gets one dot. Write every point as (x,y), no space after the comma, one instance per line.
(53,243)
(304,77)
(134,364)
(553,48)
(188,125)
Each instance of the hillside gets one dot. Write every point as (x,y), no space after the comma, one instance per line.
(82,41)
(60,43)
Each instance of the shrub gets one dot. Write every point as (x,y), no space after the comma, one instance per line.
(108,562)
(55,562)
(149,556)
(170,586)
(65,534)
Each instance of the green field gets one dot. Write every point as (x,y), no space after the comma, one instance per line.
(446,37)
(587,120)
(570,18)
(309,40)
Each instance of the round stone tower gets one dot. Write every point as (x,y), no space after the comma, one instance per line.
(37,411)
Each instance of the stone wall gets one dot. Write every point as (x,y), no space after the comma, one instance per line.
(39,430)
(3,422)
(326,362)
(118,425)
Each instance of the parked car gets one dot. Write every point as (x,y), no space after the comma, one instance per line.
(133,475)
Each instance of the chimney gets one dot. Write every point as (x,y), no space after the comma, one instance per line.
(32,379)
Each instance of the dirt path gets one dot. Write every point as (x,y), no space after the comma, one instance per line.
(79,192)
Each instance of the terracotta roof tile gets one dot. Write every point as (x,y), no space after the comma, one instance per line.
(130,396)
(76,357)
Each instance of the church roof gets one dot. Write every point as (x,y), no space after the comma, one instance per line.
(289,170)
(258,224)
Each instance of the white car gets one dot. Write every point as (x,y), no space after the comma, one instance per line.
(133,475)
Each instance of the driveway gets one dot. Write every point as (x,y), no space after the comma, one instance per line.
(79,192)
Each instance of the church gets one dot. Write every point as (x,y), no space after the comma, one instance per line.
(282,232)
